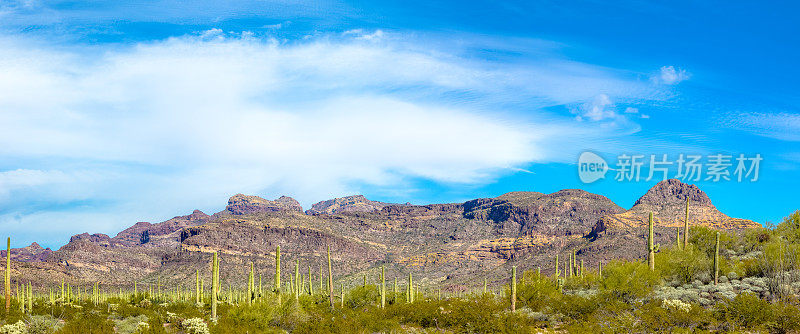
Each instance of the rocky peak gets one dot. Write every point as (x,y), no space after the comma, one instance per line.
(197,215)
(96,238)
(32,253)
(667,201)
(673,191)
(355,203)
(240,204)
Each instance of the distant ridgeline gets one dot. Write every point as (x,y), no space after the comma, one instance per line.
(442,244)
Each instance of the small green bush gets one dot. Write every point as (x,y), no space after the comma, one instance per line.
(43,324)
(745,311)
(628,280)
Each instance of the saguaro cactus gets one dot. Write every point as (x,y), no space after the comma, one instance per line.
(686,225)
(410,289)
(557,273)
(197,287)
(297,280)
(214,285)
(7,276)
(513,288)
(651,249)
(383,287)
(678,237)
(310,285)
(716,261)
(278,273)
(330,276)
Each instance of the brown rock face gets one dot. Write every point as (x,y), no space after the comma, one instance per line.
(667,201)
(355,203)
(161,234)
(243,204)
(447,244)
(566,212)
(32,253)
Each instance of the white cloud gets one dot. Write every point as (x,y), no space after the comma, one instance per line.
(169,126)
(631,110)
(669,75)
(600,108)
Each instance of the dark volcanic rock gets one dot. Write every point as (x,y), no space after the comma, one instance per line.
(240,204)
(355,203)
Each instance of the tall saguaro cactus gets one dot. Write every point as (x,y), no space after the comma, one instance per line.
(557,273)
(330,277)
(716,261)
(196,285)
(686,226)
(383,287)
(651,248)
(7,276)
(278,273)
(214,285)
(513,288)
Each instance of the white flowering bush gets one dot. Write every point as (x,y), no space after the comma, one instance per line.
(676,304)
(16,328)
(195,326)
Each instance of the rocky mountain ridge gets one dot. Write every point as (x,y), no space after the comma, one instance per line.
(442,243)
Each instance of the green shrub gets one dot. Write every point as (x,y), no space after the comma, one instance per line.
(43,324)
(683,265)
(537,292)
(132,325)
(790,227)
(745,311)
(88,323)
(628,280)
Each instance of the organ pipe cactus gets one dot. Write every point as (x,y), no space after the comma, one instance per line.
(651,248)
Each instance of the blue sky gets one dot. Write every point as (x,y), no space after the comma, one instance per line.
(113,112)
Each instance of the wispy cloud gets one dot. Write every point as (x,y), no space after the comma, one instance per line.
(780,125)
(182,123)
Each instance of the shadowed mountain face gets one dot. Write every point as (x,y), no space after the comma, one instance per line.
(447,244)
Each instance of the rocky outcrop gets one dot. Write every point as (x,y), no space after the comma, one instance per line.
(161,234)
(355,203)
(438,242)
(32,253)
(667,201)
(566,212)
(240,204)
